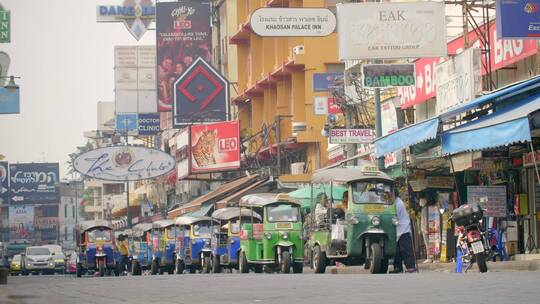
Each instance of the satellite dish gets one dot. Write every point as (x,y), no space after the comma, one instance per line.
(4,67)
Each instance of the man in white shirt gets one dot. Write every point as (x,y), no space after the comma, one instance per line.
(404,249)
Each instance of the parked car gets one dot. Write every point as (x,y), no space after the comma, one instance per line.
(15,266)
(37,259)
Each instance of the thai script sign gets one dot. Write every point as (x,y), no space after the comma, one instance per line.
(4,183)
(124,163)
(351,136)
(518,19)
(504,53)
(291,22)
(458,80)
(135,14)
(21,224)
(183,34)
(388,75)
(45,222)
(5,25)
(391,30)
(34,183)
(215,147)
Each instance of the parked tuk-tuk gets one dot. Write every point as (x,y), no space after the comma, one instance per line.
(277,242)
(96,249)
(163,246)
(226,236)
(194,236)
(140,244)
(362,230)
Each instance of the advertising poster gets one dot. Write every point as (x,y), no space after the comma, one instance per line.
(182,153)
(215,147)
(183,34)
(126,122)
(34,183)
(323,82)
(518,19)
(434,231)
(148,123)
(21,223)
(4,183)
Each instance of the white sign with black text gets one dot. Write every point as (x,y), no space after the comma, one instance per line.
(293,22)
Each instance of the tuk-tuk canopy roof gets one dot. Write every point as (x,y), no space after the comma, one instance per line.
(142,227)
(162,224)
(189,220)
(304,195)
(263,199)
(87,225)
(348,174)
(228,213)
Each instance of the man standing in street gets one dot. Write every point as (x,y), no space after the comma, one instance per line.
(404,248)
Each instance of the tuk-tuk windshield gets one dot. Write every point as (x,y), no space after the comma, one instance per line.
(373,192)
(99,235)
(283,213)
(202,230)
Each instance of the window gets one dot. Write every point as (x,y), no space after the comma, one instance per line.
(283,213)
(99,235)
(65,233)
(73,211)
(65,210)
(373,192)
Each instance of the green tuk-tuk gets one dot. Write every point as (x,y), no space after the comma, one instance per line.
(277,242)
(360,230)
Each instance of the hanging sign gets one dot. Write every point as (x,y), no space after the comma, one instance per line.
(351,136)
(5,25)
(388,75)
(518,19)
(124,163)
(135,14)
(293,22)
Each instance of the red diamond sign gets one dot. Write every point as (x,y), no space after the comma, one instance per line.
(201,94)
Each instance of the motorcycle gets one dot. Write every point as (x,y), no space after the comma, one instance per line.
(471,241)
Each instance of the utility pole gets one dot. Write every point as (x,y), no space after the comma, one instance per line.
(128,214)
(378,123)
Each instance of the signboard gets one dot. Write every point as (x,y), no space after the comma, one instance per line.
(323,82)
(388,75)
(9,101)
(491,198)
(34,183)
(148,123)
(215,147)
(183,34)
(5,25)
(182,153)
(518,19)
(351,136)
(124,163)
(320,105)
(391,30)
(389,119)
(126,122)
(201,94)
(45,222)
(529,158)
(504,53)
(4,183)
(293,22)
(333,107)
(441,182)
(21,224)
(434,231)
(458,80)
(135,14)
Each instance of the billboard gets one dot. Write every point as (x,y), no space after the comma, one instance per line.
(215,147)
(351,136)
(293,22)
(183,34)
(4,183)
(135,14)
(124,163)
(388,75)
(182,153)
(9,101)
(21,224)
(126,122)
(324,82)
(201,94)
(391,30)
(518,19)
(148,123)
(34,183)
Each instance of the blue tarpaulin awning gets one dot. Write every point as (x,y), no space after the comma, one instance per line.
(406,137)
(506,126)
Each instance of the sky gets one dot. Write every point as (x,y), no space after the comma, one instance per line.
(65,60)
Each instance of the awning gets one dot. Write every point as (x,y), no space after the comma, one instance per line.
(506,126)
(201,212)
(531,85)
(406,137)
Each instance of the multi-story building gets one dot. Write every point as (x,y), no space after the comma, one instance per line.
(71,194)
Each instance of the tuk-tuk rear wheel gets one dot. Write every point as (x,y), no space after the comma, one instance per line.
(180,267)
(135,268)
(243,266)
(206,267)
(79,270)
(216,267)
(375,258)
(319,260)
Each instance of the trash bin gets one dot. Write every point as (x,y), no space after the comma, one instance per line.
(3,275)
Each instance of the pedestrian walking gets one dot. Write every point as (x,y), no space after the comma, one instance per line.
(404,246)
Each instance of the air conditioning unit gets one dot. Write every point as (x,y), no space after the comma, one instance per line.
(298,50)
(299,127)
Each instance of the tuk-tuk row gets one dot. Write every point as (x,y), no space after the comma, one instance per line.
(266,232)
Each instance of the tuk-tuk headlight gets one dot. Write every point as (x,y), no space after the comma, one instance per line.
(285,235)
(376,221)
(268,235)
(395,221)
(354,220)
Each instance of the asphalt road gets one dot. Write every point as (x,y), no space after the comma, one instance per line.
(494,287)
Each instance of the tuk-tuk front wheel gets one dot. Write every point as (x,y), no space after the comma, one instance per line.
(243,266)
(154,267)
(206,267)
(180,266)
(285,265)
(101,268)
(136,268)
(216,267)
(376,258)
(319,260)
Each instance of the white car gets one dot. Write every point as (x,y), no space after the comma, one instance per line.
(38,259)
